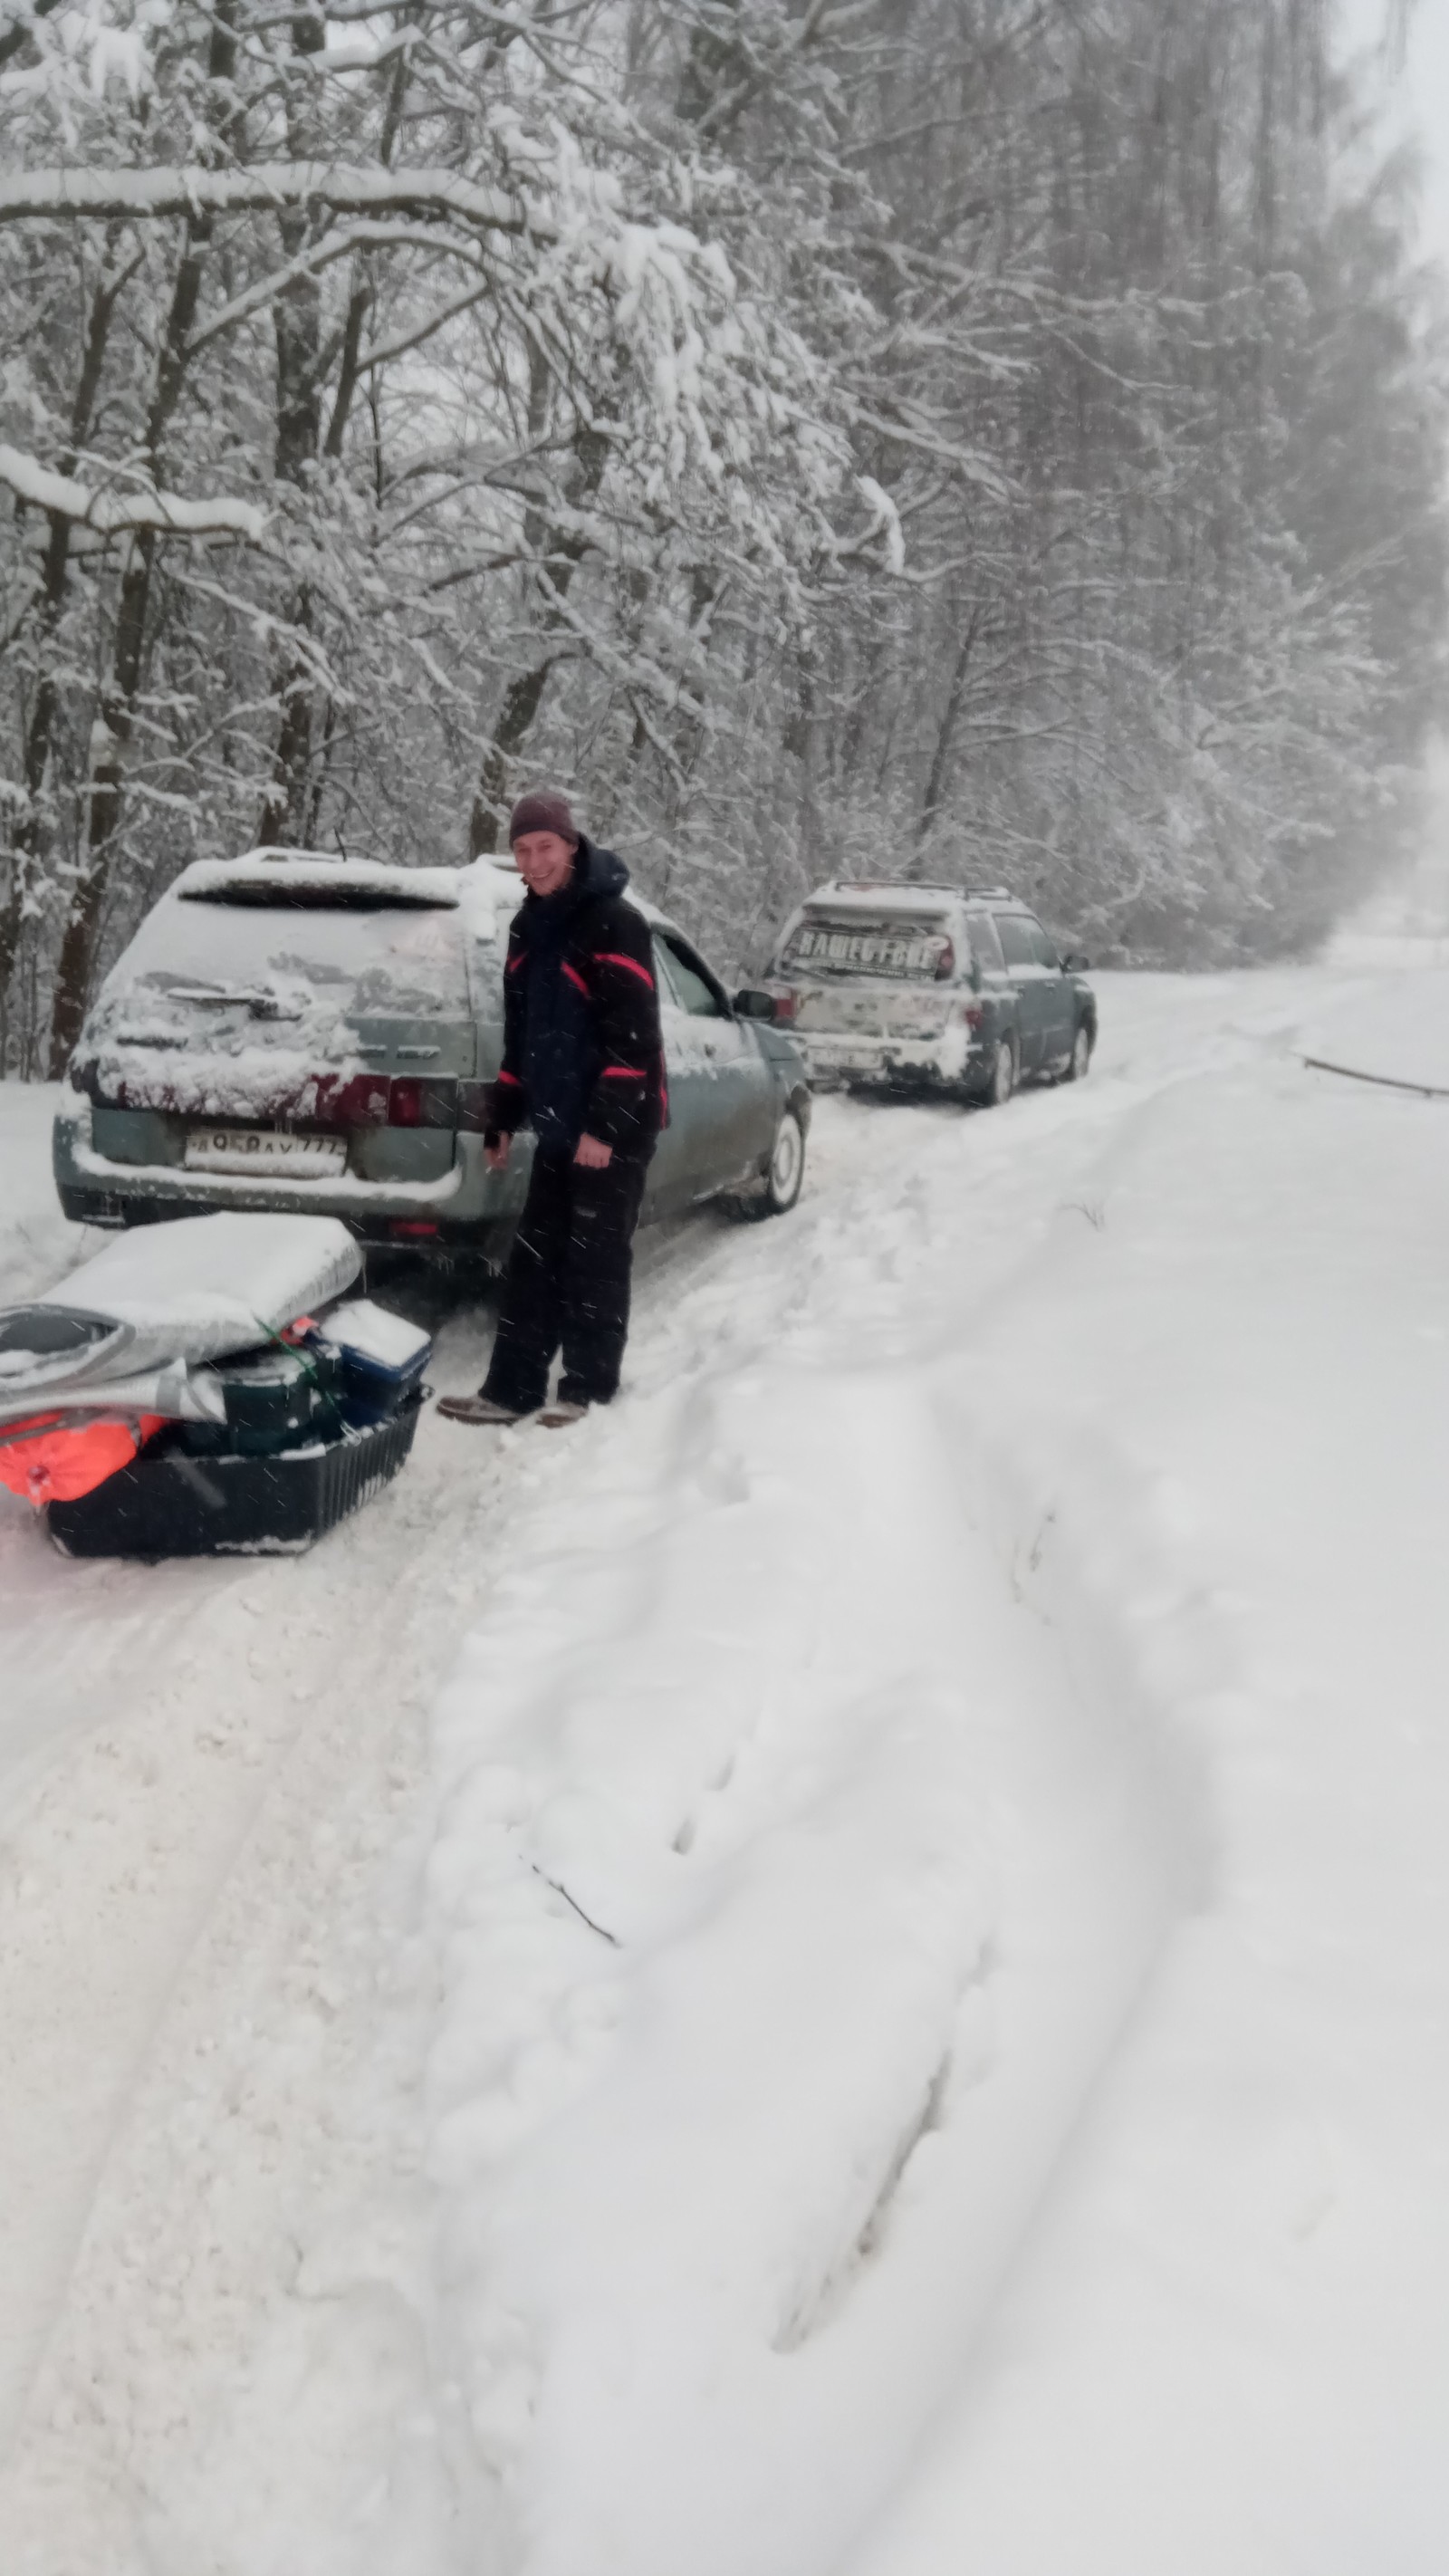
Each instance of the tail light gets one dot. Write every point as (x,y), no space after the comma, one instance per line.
(946,962)
(410,1229)
(414,1100)
(973,1015)
(786,1005)
(360,1102)
(324,1100)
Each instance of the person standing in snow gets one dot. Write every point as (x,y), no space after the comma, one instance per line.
(583,1065)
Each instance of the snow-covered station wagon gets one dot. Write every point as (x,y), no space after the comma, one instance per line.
(922,986)
(293,1030)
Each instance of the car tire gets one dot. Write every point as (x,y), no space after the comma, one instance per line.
(784,1175)
(1001,1079)
(1079,1062)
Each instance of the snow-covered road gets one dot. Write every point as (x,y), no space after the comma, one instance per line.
(847,1966)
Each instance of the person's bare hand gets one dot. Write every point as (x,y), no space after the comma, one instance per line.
(593,1156)
(496,1156)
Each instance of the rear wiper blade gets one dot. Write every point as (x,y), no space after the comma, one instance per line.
(263,1004)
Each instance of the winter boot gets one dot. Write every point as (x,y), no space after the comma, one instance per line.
(478,1408)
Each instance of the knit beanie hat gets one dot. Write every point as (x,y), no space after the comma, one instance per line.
(545,811)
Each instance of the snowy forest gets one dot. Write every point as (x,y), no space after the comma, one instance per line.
(982,439)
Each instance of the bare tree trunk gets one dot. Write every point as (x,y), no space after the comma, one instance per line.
(525,693)
(515,722)
(40,732)
(298,321)
(115,722)
(801,741)
(945,738)
(360,301)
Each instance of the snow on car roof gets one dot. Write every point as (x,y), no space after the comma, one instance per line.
(896,895)
(289,876)
(489,894)
(492,887)
(483,890)
(487,891)
(858,894)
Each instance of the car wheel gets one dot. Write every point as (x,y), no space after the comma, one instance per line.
(1081,1055)
(1001,1081)
(785,1174)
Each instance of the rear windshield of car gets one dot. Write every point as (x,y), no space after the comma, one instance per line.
(365,958)
(907,945)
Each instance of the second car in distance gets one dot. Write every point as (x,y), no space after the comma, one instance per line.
(927,987)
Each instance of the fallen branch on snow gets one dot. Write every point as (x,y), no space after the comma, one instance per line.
(1386,1081)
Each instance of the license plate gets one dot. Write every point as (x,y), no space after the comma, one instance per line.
(264,1149)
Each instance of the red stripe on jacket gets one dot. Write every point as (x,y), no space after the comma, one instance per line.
(613,957)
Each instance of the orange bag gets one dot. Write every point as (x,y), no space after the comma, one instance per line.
(57,1457)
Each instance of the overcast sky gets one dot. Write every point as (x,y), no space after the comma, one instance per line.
(1417,102)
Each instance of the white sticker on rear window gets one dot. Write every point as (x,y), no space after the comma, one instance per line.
(872,948)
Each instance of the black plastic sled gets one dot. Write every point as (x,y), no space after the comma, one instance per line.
(172,1502)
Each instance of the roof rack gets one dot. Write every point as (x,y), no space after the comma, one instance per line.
(924,885)
(891,885)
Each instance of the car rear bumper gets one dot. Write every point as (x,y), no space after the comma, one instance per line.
(955,1056)
(466,1204)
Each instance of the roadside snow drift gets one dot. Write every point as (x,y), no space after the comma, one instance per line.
(1232,2336)
(718,1881)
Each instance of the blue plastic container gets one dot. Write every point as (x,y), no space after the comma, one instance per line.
(381,1360)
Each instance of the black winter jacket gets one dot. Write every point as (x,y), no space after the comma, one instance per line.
(582,1053)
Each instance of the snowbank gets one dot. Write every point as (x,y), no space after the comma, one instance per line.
(1228,1399)
(1104,1617)
(663,2143)
(895,2021)
(36,1244)
(741,1885)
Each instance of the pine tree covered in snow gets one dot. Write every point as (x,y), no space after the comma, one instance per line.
(894,433)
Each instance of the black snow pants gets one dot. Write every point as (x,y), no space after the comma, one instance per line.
(567,1283)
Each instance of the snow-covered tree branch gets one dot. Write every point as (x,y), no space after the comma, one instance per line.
(824,436)
(145,196)
(112,513)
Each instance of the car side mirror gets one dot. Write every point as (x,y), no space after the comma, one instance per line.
(1074,963)
(752,1004)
